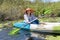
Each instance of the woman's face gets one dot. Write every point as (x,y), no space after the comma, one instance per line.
(28,13)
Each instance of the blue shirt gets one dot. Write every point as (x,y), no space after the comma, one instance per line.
(30,18)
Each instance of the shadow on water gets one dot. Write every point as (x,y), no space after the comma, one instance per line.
(24,35)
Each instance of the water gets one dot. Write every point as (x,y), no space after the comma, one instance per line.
(24,35)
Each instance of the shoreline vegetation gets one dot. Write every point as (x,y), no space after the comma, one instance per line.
(13,9)
(10,23)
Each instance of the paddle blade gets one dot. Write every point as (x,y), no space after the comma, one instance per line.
(14,31)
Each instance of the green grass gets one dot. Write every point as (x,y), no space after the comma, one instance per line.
(9,23)
(53,38)
(56,29)
(50,19)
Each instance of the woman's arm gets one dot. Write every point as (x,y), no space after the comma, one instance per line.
(26,18)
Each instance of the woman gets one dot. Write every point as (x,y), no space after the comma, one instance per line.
(29,17)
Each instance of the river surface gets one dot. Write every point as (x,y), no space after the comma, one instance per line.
(24,35)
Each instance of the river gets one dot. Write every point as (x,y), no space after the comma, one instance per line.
(21,36)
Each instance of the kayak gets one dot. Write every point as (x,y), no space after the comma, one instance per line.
(47,27)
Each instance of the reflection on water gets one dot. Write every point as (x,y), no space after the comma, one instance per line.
(24,35)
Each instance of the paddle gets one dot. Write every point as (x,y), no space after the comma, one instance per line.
(16,30)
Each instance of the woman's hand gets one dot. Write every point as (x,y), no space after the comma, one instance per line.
(29,22)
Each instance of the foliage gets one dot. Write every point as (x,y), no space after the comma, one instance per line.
(14,9)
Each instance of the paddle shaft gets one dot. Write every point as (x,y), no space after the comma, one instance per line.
(33,20)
